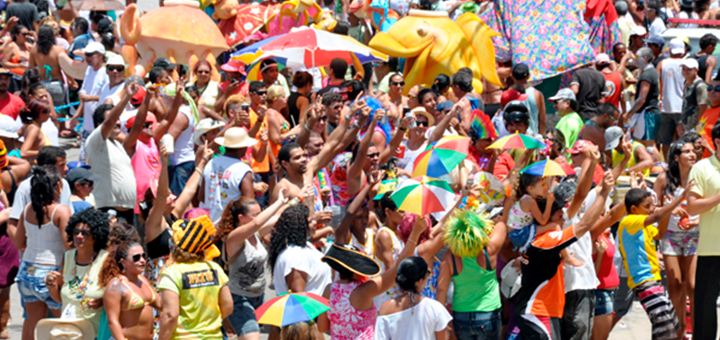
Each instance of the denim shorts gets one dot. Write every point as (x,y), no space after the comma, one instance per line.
(477,325)
(242,319)
(604,301)
(179,175)
(31,284)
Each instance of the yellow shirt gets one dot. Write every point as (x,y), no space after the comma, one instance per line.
(617,157)
(637,247)
(198,284)
(707,175)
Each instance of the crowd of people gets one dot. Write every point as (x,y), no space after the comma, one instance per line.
(192,198)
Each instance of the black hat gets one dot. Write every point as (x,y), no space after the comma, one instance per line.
(346,257)
(164,63)
(520,71)
(80,174)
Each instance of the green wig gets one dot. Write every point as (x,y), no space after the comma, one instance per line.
(468,233)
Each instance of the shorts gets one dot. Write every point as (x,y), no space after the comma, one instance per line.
(538,327)
(652,125)
(604,299)
(179,175)
(623,299)
(478,325)
(668,125)
(659,309)
(242,319)
(523,237)
(680,243)
(31,284)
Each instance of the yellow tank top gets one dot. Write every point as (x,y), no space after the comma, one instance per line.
(617,157)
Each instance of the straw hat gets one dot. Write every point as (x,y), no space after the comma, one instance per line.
(64,329)
(204,126)
(420,111)
(235,138)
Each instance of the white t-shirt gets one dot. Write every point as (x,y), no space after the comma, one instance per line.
(657,27)
(108,92)
(307,260)
(408,161)
(223,176)
(684,15)
(109,159)
(184,145)
(583,277)
(22,198)
(419,322)
(92,85)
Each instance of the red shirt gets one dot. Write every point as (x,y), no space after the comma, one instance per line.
(241,90)
(607,274)
(705,124)
(11,105)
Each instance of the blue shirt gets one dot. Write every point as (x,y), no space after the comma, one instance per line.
(79,43)
(81,205)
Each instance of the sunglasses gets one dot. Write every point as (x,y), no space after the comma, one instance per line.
(148,125)
(261,93)
(398,83)
(374,155)
(425,124)
(322,119)
(88,183)
(715,88)
(114,68)
(85,233)
(203,72)
(137,257)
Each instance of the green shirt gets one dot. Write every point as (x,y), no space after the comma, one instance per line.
(570,126)
(476,288)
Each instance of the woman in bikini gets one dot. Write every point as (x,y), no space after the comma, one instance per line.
(33,116)
(16,54)
(394,100)
(129,298)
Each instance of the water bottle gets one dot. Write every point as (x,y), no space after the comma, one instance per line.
(408,113)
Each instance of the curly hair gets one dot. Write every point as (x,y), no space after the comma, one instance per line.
(229,220)
(181,256)
(46,39)
(122,232)
(112,267)
(405,228)
(99,223)
(44,185)
(292,228)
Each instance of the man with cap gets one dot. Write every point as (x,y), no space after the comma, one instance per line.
(516,118)
(10,104)
(81,182)
(588,85)
(570,122)
(535,100)
(336,74)
(165,64)
(613,80)
(656,43)
(695,96)
(646,105)
(639,161)
(227,177)
(115,69)
(637,35)
(672,85)
(235,83)
(706,62)
(95,80)
(514,92)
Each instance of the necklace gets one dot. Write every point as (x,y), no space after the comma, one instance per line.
(78,286)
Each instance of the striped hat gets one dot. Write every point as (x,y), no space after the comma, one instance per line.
(195,236)
(3,156)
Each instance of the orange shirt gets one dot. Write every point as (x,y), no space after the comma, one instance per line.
(705,124)
(264,166)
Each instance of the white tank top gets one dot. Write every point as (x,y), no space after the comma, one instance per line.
(673,85)
(45,245)
(184,145)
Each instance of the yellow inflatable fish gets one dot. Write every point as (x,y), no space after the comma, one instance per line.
(434,44)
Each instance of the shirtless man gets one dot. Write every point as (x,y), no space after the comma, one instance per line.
(461,84)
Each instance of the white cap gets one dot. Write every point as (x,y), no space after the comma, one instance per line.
(602,58)
(677,46)
(690,63)
(115,59)
(8,127)
(638,30)
(94,47)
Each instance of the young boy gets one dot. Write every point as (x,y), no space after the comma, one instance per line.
(635,235)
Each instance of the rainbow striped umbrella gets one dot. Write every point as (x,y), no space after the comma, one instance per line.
(441,157)
(517,141)
(545,168)
(289,308)
(423,195)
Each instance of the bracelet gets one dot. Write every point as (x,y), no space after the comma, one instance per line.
(198,170)
(206,159)
(411,240)
(402,129)
(306,128)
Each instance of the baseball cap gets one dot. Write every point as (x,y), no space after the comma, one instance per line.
(656,40)
(689,63)
(510,95)
(116,59)
(4,71)
(638,30)
(150,118)
(602,59)
(578,146)
(94,47)
(8,127)
(612,137)
(564,93)
(164,63)
(520,71)
(139,96)
(77,164)
(80,174)
(104,25)
(233,66)
(677,46)
(446,105)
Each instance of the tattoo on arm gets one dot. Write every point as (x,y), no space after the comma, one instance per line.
(116,286)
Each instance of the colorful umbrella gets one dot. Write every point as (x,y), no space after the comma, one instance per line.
(441,157)
(517,141)
(545,168)
(290,308)
(423,195)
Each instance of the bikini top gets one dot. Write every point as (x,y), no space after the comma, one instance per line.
(136,301)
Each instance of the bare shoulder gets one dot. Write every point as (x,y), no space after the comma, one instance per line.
(116,286)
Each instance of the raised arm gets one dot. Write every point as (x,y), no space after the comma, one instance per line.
(154,225)
(342,233)
(665,211)
(138,125)
(191,187)
(169,118)
(355,169)
(236,239)
(112,118)
(395,141)
(593,213)
(592,157)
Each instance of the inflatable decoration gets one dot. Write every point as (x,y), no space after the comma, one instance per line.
(183,34)
(241,22)
(293,13)
(378,12)
(434,44)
